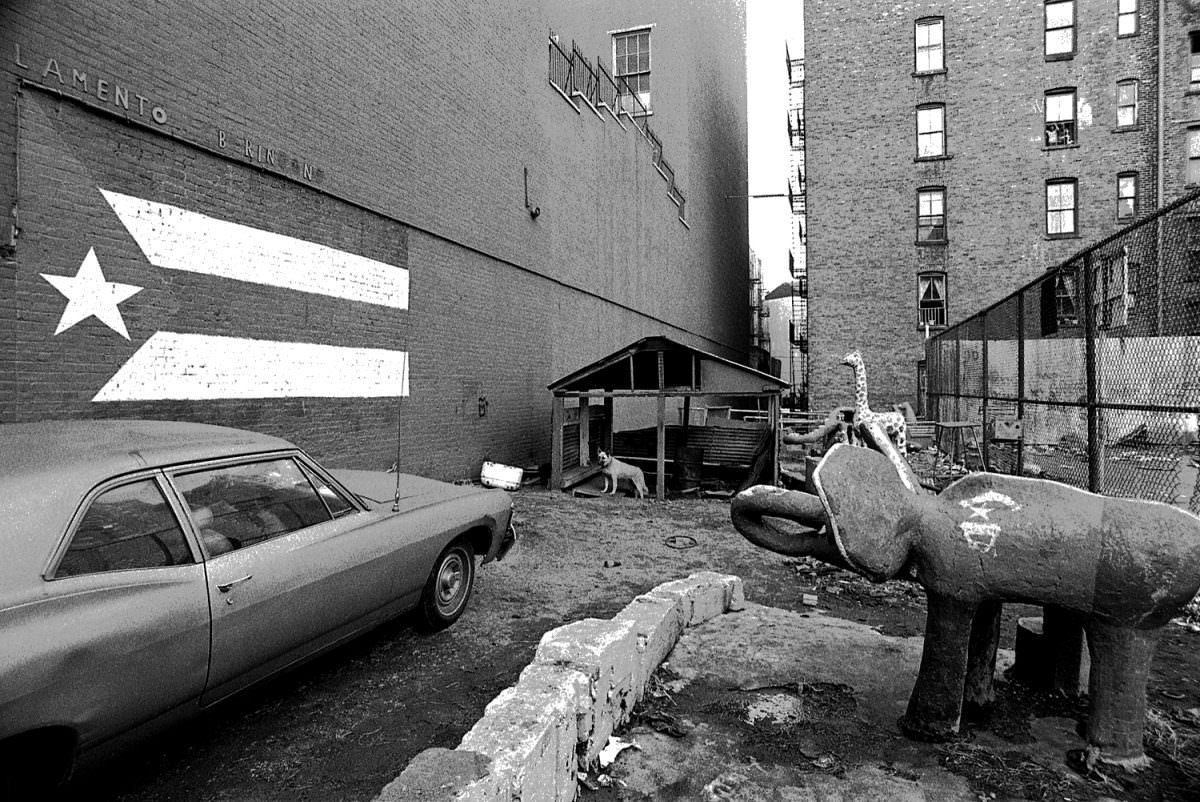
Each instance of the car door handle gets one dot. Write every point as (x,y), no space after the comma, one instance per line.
(225,587)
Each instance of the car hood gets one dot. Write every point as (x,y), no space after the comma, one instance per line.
(377,488)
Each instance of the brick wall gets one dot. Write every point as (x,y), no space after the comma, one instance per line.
(863,176)
(397,133)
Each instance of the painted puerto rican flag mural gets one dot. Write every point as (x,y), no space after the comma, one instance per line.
(158,279)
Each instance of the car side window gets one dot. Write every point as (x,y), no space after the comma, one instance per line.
(235,506)
(334,500)
(125,527)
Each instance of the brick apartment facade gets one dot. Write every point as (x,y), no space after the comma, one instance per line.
(978,146)
(316,221)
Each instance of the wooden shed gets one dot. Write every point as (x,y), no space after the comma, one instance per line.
(695,426)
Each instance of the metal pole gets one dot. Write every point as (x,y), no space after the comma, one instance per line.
(1094,444)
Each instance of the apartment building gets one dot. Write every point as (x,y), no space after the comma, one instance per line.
(957,150)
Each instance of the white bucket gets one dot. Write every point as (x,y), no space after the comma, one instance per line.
(505,477)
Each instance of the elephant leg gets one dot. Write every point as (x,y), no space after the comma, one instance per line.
(935,706)
(1121,658)
(979,692)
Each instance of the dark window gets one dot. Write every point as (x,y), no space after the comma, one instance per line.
(1126,196)
(1060,206)
(1060,28)
(931,214)
(1127,104)
(930,55)
(1060,118)
(1127,17)
(1194,59)
(239,505)
(130,526)
(931,299)
(335,502)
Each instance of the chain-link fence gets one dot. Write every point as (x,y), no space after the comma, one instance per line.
(1089,375)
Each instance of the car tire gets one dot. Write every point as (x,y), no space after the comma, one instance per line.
(33,766)
(448,588)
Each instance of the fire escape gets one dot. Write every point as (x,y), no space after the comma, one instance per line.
(798,255)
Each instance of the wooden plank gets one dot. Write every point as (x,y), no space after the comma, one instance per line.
(556,443)
(660,484)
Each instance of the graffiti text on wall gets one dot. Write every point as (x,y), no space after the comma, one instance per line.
(103,89)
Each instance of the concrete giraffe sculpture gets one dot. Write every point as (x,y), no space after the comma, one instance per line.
(1124,566)
(892,422)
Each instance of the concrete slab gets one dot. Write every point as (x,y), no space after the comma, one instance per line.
(827,690)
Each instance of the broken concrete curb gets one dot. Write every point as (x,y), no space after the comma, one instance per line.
(584,680)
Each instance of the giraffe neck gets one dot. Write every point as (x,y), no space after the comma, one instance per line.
(860,390)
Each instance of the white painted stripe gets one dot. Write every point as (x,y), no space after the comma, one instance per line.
(171,366)
(179,239)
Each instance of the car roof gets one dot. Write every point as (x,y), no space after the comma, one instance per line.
(102,448)
(47,467)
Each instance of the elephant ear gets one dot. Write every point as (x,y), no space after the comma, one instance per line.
(866,500)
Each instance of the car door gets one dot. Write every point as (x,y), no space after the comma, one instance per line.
(286,577)
(123,619)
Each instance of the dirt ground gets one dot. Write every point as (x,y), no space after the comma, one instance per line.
(343,726)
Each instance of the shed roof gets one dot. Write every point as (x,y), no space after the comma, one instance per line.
(686,370)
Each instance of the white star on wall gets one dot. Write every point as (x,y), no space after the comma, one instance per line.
(89,295)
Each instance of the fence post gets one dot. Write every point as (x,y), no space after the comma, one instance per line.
(1020,466)
(983,404)
(1095,444)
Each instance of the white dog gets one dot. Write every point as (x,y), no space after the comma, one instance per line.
(614,470)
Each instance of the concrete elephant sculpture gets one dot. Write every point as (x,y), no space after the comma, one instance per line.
(1124,566)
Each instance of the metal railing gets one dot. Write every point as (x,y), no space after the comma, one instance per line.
(1090,374)
(575,77)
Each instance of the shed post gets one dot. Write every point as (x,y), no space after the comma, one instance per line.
(661,465)
(585,409)
(773,417)
(556,442)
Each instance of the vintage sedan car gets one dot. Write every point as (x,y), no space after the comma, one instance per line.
(149,569)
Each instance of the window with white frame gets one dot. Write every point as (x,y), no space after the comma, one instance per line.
(931,214)
(1127,17)
(1193,156)
(931,131)
(1060,118)
(931,299)
(1060,207)
(930,54)
(1060,28)
(1064,299)
(1126,196)
(1127,103)
(631,66)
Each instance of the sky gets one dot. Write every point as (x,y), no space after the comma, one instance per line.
(770,24)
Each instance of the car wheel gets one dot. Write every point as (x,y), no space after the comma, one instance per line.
(33,766)
(448,587)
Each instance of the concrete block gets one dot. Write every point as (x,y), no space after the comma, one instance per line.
(529,731)
(553,677)
(605,652)
(703,595)
(658,623)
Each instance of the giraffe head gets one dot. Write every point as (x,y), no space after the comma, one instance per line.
(853,359)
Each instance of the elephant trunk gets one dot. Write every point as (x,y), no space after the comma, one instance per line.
(751,510)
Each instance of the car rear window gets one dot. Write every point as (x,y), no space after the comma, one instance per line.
(235,506)
(126,527)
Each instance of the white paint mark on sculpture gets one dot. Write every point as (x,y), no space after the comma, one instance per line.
(179,239)
(172,366)
(983,536)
